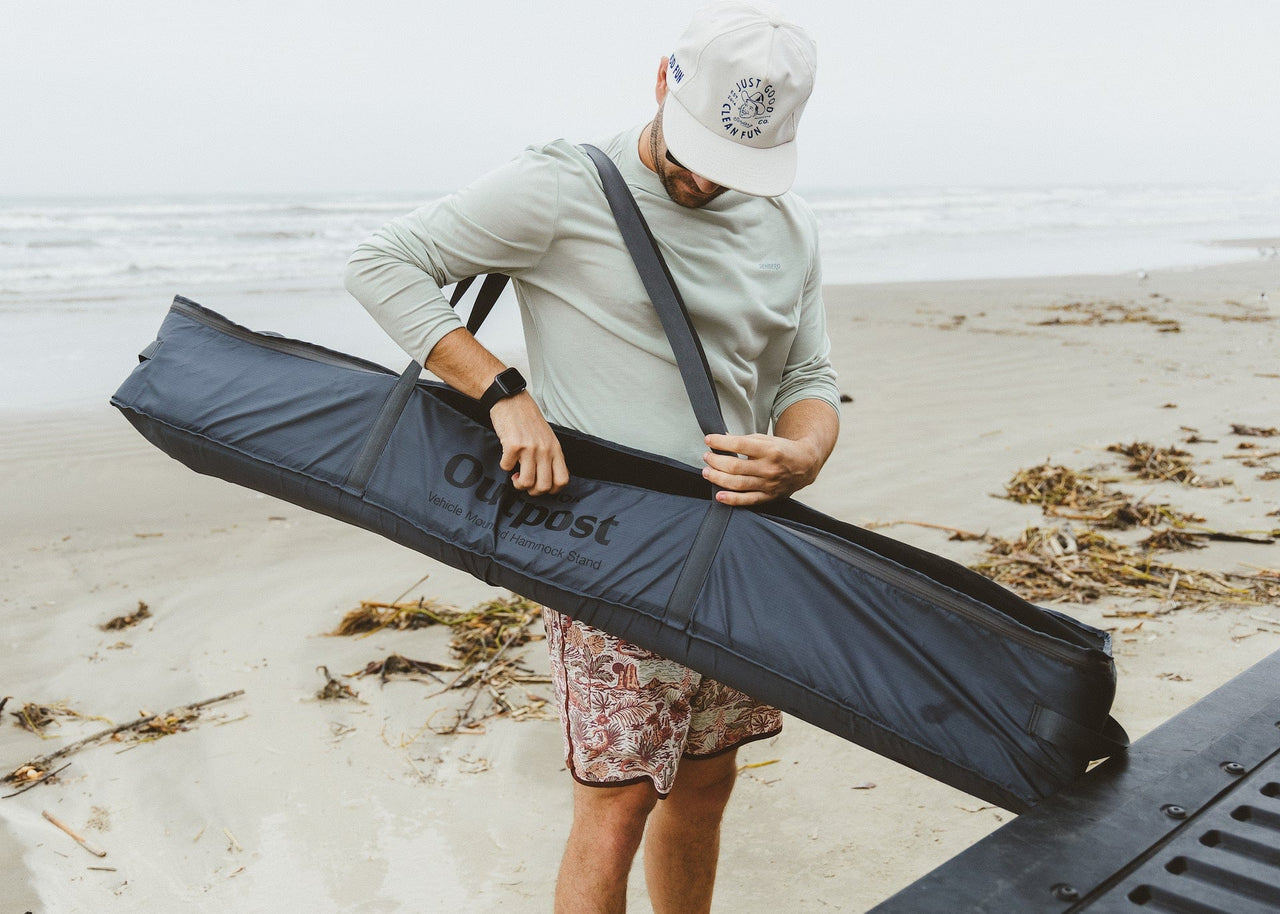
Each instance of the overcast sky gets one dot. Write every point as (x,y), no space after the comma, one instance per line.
(383,95)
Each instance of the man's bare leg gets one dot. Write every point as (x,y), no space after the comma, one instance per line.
(608,823)
(682,844)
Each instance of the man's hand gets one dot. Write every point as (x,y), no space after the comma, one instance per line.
(528,442)
(770,467)
(773,466)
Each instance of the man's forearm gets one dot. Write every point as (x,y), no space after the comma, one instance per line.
(528,442)
(814,422)
(462,362)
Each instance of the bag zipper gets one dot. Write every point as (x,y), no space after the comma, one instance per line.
(311,351)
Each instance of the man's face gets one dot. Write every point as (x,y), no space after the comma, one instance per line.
(682,185)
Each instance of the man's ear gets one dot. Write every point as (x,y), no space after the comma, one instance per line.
(660,90)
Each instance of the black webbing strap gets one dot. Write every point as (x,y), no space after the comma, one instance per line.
(1062,731)
(460,290)
(663,293)
(398,396)
(697,565)
(380,431)
(694,371)
(486,298)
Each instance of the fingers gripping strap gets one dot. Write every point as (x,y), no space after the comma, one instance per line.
(662,290)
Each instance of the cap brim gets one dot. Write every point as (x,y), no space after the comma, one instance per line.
(760,172)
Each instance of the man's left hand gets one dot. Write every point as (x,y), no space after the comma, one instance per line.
(768,467)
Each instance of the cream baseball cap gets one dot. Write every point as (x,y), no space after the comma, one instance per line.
(737,83)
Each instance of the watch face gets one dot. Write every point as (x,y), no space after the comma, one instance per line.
(511,382)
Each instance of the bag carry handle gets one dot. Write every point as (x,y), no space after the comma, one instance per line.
(486,298)
(1061,730)
(398,397)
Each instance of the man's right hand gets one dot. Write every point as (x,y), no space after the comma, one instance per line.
(529,443)
(527,440)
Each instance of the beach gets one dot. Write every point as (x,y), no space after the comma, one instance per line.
(277,800)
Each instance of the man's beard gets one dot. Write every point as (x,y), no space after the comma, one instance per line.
(680,187)
(678,182)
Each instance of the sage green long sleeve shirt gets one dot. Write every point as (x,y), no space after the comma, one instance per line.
(747,267)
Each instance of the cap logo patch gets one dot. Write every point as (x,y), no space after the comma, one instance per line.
(748,108)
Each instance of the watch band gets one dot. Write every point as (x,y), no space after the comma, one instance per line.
(507,384)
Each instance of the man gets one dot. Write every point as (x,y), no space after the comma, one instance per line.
(650,744)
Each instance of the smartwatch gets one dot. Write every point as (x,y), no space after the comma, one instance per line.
(506,384)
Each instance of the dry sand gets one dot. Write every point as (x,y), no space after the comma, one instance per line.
(278,802)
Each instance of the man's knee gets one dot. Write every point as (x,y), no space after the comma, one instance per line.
(619,812)
(706,782)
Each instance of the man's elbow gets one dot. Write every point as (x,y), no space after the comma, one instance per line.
(355,273)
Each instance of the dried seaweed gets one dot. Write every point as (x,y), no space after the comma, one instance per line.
(1252,457)
(477,632)
(1167,540)
(481,632)
(1255,431)
(1075,495)
(145,729)
(394,664)
(333,689)
(480,639)
(1247,317)
(1164,464)
(35,718)
(1099,313)
(1080,565)
(142,612)
(372,616)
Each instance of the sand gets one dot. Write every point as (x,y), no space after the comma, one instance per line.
(276,801)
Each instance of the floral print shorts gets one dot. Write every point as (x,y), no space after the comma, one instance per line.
(628,714)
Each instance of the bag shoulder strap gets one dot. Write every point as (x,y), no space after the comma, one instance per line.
(661,287)
(691,359)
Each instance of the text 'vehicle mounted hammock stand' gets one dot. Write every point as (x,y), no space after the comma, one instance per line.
(909,654)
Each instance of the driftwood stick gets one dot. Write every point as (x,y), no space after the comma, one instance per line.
(44,761)
(967,534)
(79,839)
(411,587)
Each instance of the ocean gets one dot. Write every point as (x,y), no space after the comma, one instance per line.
(83,281)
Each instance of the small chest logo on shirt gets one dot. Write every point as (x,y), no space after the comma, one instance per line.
(771,267)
